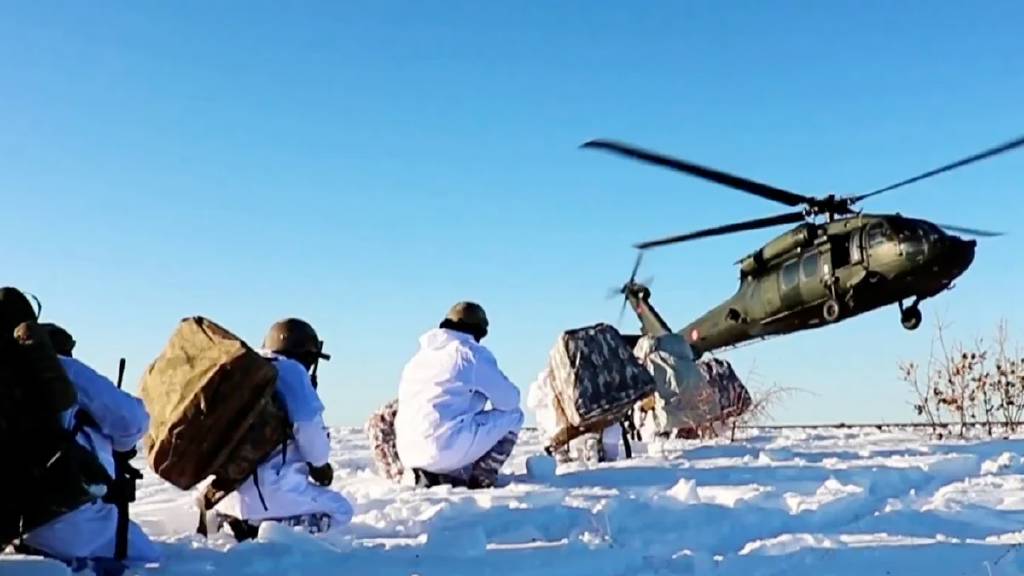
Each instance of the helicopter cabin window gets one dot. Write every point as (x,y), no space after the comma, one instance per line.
(839,248)
(790,274)
(809,266)
(856,241)
(876,234)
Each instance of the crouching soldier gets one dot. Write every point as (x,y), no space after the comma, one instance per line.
(110,423)
(457,416)
(291,485)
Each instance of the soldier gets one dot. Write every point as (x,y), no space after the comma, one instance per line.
(108,423)
(291,485)
(457,416)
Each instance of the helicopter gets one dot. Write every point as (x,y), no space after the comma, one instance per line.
(836,263)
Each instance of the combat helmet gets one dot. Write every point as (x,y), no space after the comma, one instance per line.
(296,339)
(467,317)
(14,309)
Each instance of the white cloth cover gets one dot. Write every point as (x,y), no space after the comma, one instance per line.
(683,397)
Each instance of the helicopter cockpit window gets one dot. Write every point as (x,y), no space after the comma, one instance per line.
(910,230)
(790,274)
(931,231)
(809,266)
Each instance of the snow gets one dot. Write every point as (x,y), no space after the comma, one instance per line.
(20,565)
(541,467)
(1005,462)
(771,503)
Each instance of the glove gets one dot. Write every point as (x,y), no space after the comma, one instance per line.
(124,457)
(322,475)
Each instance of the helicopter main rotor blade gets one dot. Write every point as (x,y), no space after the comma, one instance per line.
(970,231)
(958,164)
(736,182)
(790,218)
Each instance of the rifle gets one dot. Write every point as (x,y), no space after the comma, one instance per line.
(125,477)
(316,363)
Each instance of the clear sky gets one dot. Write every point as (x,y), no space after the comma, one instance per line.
(365,165)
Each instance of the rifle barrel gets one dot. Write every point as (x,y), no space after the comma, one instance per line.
(120,372)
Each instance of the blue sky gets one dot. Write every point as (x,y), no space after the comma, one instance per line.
(365,165)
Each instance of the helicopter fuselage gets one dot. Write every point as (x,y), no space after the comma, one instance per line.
(816,274)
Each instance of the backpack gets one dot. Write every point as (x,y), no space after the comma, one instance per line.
(596,379)
(47,473)
(733,397)
(213,411)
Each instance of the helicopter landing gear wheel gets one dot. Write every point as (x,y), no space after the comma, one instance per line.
(830,311)
(911,318)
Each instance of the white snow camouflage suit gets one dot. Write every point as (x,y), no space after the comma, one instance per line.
(121,419)
(457,413)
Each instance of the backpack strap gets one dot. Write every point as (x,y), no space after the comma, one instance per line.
(284,458)
(259,491)
(83,420)
(203,503)
(625,442)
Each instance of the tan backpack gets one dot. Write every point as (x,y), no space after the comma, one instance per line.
(213,410)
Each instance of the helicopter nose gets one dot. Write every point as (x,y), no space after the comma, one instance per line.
(963,251)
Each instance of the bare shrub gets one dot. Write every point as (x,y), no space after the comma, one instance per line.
(1008,378)
(708,414)
(968,384)
(925,403)
(764,400)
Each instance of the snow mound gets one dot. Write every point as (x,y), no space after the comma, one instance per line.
(685,491)
(1005,462)
(830,491)
(786,544)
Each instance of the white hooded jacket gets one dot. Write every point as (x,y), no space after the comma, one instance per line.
(454,403)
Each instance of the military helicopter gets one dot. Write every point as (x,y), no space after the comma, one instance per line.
(835,264)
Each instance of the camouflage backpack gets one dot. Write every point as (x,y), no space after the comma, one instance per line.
(596,380)
(213,410)
(733,397)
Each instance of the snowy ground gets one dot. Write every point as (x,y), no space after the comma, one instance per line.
(795,502)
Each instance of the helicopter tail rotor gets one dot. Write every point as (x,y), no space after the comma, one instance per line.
(625,289)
